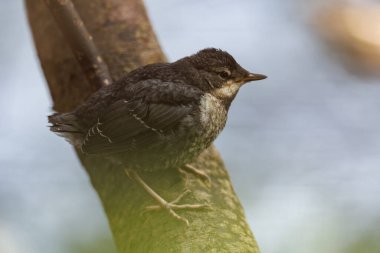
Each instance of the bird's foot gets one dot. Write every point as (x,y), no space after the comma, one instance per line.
(162,203)
(200,173)
(171,206)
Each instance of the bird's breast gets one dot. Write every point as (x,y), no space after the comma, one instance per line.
(213,115)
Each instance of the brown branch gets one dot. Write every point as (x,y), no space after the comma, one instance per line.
(80,41)
(125,38)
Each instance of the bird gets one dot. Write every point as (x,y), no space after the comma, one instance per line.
(158,117)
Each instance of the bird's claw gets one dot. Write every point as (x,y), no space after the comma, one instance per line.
(201,174)
(171,206)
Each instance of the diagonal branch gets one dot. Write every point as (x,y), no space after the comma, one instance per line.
(80,41)
(125,38)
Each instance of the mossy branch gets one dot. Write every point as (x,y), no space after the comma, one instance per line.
(124,37)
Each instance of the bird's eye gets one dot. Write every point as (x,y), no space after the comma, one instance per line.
(224,74)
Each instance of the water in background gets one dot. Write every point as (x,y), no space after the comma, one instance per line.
(302,147)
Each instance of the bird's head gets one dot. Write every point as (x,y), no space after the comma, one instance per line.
(220,74)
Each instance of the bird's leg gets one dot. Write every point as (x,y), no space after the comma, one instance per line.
(203,175)
(162,203)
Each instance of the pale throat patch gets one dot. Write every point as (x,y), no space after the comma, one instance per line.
(228,90)
(211,110)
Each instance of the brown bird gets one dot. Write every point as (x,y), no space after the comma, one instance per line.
(160,116)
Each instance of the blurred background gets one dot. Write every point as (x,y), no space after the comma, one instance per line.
(302,147)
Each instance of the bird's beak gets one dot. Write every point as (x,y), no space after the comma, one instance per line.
(253,77)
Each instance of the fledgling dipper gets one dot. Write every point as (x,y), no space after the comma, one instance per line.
(160,116)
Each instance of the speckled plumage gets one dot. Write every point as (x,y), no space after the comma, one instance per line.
(159,116)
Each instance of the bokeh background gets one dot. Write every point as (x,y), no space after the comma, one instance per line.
(302,147)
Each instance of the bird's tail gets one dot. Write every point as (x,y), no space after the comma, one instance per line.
(65,125)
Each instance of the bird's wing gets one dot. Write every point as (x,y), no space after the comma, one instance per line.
(129,124)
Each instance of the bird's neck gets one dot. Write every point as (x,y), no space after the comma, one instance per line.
(227,93)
